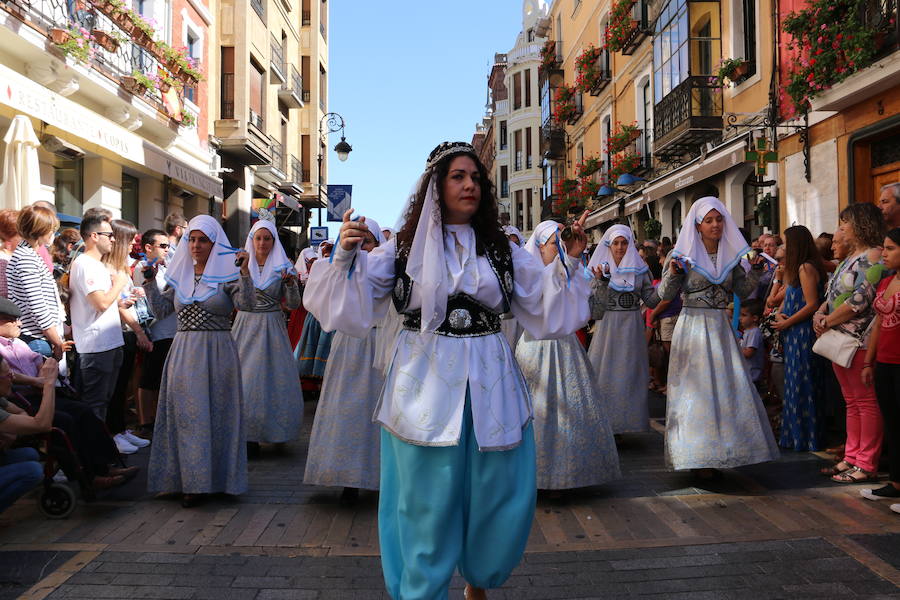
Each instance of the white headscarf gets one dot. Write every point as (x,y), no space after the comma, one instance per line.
(510,230)
(277,260)
(690,246)
(391,229)
(543,232)
(219,266)
(300,266)
(375,228)
(319,247)
(621,276)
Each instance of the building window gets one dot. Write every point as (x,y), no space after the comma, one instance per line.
(517,201)
(749,33)
(646,138)
(68,183)
(258,8)
(195,52)
(504,181)
(529,217)
(528,160)
(257,91)
(527,87)
(671,64)
(517,90)
(227,107)
(323,88)
(676,220)
(504,136)
(530,35)
(517,149)
(579,154)
(130,188)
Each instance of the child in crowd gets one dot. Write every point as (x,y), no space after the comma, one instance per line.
(751,341)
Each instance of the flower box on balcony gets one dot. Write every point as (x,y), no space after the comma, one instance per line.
(105,40)
(134,85)
(59,35)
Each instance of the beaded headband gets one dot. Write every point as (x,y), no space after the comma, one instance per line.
(445,149)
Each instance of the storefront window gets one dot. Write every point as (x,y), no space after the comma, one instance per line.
(130,187)
(68,181)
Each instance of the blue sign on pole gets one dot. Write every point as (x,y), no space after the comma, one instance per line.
(317,235)
(338,201)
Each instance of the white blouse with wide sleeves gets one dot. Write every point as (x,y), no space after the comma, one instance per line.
(425,391)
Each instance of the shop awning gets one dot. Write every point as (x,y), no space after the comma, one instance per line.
(697,170)
(159,160)
(607,212)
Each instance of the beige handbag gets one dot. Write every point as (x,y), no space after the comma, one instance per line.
(839,348)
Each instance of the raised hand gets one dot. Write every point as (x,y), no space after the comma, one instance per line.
(352,232)
(579,238)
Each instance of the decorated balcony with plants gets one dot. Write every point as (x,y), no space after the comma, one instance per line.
(627,26)
(592,70)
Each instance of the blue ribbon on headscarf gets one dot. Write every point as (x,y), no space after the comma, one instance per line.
(562,257)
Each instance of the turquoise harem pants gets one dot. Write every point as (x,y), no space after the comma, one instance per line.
(448,507)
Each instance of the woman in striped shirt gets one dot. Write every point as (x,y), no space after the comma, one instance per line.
(31,283)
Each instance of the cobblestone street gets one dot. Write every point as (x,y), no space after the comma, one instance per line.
(769,531)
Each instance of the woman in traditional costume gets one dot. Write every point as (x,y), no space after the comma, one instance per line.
(198,440)
(618,350)
(572,434)
(457,445)
(273,402)
(344,444)
(315,344)
(714,418)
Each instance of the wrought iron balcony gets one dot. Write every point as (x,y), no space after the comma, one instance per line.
(277,66)
(687,117)
(553,140)
(307,18)
(120,59)
(258,8)
(882,17)
(274,172)
(293,186)
(640,27)
(291,91)
(604,73)
(246,141)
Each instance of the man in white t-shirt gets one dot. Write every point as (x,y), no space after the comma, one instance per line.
(94,308)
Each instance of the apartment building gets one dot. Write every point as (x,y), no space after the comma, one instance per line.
(116,93)
(630,88)
(272,58)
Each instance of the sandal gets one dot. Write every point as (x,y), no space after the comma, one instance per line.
(849,476)
(837,469)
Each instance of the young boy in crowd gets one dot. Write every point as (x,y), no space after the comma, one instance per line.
(751,342)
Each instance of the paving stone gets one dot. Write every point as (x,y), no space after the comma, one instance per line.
(225,593)
(261,582)
(287,595)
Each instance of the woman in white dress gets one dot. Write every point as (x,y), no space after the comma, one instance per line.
(344,444)
(714,417)
(457,446)
(572,434)
(618,350)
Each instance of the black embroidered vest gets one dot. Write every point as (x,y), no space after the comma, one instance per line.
(465,316)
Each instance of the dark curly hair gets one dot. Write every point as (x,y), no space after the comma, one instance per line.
(867,221)
(485,221)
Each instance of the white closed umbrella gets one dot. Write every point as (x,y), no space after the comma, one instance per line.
(21,169)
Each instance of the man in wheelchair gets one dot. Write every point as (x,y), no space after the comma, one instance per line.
(95,453)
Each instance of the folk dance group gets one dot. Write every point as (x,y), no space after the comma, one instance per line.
(433,406)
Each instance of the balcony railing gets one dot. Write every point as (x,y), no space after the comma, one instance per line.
(307,18)
(227,96)
(882,17)
(276,60)
(324,31)
(257,120)
(296,172)
(640,27)
(518,161)
(604,73)
(291,91)
(504,189)
(687,117)
(553,140)
(258,8)
(278,156)
(305,96)
(128,57)
(306,175)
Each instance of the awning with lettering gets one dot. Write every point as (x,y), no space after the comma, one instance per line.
(607,212)
(632,205)
(697,170)
(159,160)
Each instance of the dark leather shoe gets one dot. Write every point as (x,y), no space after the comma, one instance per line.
(106,482)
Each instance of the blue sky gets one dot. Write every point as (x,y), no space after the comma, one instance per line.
(407,75)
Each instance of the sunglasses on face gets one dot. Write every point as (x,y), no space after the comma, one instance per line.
(108,234)
(163,246)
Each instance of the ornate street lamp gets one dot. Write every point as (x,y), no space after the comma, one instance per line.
(331,122)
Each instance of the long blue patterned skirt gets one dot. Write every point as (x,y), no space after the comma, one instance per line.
(618,355)
(572,433)
(313,350)
(198,440)
(803,378)
(714,417)
(345,444)
(273,401)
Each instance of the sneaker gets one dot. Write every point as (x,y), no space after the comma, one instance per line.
(887,492)
(124,446)
(895,508)
(134,440)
